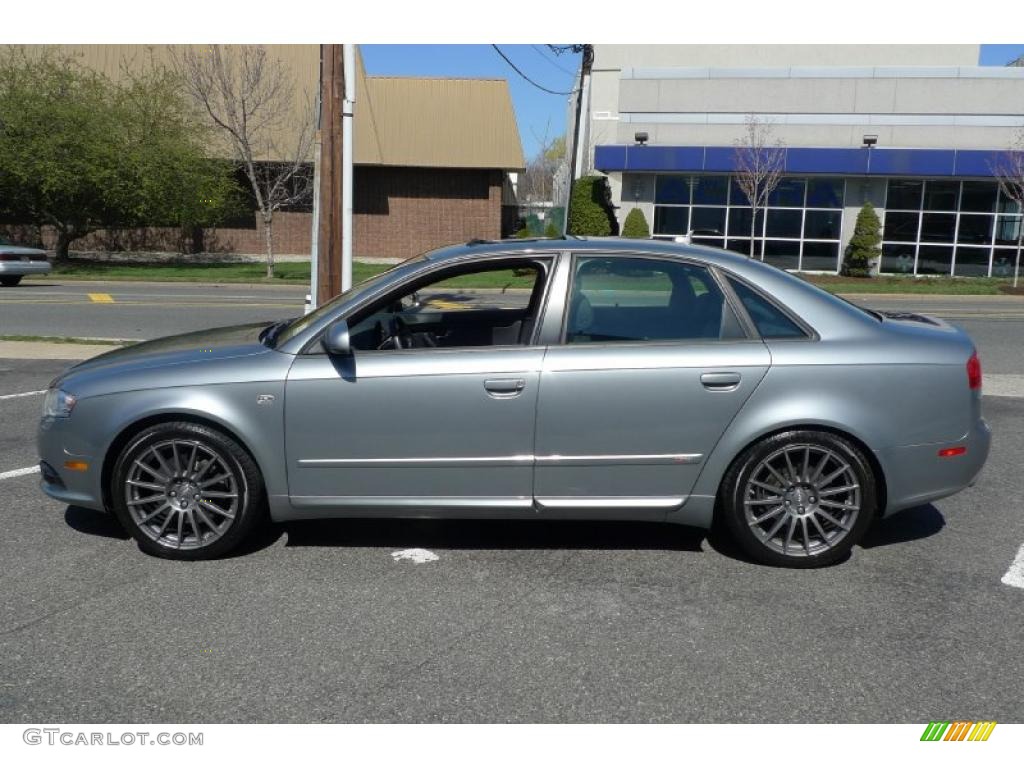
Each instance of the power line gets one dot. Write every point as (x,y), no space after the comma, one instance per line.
(553,63)
(527,79)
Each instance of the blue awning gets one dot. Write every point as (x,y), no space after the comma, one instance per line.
(833,161)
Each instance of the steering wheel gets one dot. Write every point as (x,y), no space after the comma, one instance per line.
(398,334)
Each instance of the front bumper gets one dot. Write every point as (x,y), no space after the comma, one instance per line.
(916,474)
(22,268)
(57,445)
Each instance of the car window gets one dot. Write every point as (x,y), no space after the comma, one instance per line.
(489,306)
(770,321)
(632,299)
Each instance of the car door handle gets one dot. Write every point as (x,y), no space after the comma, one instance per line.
(503,388)
(720,381)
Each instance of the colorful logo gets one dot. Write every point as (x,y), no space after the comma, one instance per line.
(959,730)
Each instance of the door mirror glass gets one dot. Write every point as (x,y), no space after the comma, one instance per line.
(335,340)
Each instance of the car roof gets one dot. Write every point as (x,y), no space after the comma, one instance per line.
(572,242)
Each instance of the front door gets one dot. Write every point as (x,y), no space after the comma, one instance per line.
(435,410)
(652,367)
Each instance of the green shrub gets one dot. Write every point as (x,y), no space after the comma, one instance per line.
(864,245)
(524,233)
(551,230)
(636,225)
(590,211)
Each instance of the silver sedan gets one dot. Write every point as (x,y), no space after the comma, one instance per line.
(568,378)
(17,261)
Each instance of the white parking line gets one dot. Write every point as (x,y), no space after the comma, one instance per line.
(18,472)
(1014,577)
(23,394)
(417,556)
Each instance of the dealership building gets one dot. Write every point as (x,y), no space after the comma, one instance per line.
(915,130)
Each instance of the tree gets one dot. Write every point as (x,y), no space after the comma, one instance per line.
(635,225)
(79,152)
(250,99)
(536,184)
(552,230)
(865,244)
(1009,172)
(759,159)
(590,207)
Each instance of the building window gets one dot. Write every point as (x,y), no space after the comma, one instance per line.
(942,227)
(800,229)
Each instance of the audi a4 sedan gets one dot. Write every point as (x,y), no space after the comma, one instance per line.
(565,378)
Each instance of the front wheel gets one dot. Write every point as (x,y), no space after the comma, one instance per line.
(799,499)
(186,492)
(10,281)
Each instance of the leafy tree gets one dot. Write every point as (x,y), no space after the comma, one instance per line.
(590,207)
(864,245)
(79,152)
(636,225)
(551,230)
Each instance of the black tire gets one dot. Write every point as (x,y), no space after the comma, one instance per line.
(9,281)
(241,479)
(825,520)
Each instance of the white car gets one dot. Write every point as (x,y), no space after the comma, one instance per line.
(17,261)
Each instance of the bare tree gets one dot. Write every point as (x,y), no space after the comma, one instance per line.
(536,182)
(266,124)
(1009,172)
(759,161)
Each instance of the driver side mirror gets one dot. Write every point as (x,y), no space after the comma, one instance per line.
(335,340)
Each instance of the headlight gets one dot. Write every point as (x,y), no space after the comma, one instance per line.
(58,404)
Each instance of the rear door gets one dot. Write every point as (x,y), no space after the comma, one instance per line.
(651,367)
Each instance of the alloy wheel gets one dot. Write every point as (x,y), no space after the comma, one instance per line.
(183,494)
(802,500)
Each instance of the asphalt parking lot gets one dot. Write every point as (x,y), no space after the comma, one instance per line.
(536,621)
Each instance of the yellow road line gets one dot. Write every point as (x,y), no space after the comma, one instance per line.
(101,298)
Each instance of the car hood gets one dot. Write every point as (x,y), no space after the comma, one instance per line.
(197,348)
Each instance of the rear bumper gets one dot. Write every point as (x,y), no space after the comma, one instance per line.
(20,268)
(916,474)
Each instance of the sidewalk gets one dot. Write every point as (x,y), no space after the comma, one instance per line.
(46,350)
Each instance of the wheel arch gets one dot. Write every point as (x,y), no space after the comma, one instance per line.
(881,485)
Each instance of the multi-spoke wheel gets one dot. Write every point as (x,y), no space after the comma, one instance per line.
(186,491)
(800,498)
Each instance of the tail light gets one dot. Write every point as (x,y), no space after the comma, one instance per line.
(9,257)
(974,371)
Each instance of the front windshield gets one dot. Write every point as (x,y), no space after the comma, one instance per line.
(300,324)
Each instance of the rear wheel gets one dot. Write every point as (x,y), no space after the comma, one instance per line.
(186,491)
(10,280)
(799,499)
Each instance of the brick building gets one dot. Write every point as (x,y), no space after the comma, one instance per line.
(433,159)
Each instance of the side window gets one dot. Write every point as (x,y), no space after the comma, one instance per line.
(770,321)
(641,299)
(482,307)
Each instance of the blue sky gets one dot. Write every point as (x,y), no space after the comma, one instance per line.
(536,111)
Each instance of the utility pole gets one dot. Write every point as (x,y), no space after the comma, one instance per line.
(579,139)
(329,234)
